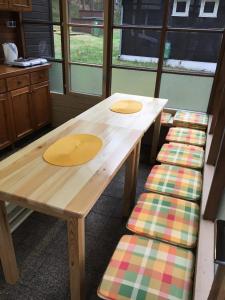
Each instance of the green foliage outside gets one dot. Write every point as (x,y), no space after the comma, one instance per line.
(88,48)
(55,10)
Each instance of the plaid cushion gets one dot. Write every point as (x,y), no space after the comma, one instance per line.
(144,269)
(170,219)
(166,118)
(175,181)
(186,136)
(191,119)
(182,155)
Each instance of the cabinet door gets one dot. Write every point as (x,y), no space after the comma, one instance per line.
(22,112)
(41,104)
(4,4)
(6,137)
(20,5)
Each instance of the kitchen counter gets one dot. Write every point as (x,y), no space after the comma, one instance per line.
(7,71)
(24,102)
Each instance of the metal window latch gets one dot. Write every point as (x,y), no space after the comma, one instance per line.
(11,24)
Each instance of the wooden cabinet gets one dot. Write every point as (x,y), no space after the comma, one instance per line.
(2,86)
(22,112)
(41,104)
(20,5)
(4,4)
(6,136)
(16,5)
(39,76)
(24,102)
(18,82)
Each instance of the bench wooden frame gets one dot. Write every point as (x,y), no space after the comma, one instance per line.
(218,132)
(217,186)
(211,198)
(204,268)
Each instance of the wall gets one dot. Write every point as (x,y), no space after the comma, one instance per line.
(9,34)
(67,107)
(39,38)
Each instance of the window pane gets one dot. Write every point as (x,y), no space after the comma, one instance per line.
(86,45)
(86,80)
(138,48)
(181,6)
(192,51)
(56,77)
(43,10)
(193,18)
(57,42)
(221,211)
(55,11)
(42,40)
(86,12)
(138,12)
(186,92)
(123,82)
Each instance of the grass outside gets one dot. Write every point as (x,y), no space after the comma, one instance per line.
(88,48)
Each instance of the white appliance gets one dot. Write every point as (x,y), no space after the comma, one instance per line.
(28,62)
(10,52)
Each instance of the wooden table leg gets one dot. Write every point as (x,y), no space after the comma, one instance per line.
(131,174)
(155,139)
(7,253)
(76,248)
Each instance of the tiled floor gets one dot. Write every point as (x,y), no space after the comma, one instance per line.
(41,248)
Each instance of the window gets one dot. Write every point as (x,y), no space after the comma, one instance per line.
(86,46)
(42,29)
(181,8)
(93,56)
(209,8)
(138,12)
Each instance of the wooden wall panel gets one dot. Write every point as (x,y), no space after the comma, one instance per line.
(9,34)
(65,107)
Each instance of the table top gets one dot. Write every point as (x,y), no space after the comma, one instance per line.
(142,120)
(26,179)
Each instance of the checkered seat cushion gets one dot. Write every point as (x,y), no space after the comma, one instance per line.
(166,118)
(145,269)
(175,181)
(168,219)
(186,136)
(182,155)
(191,119)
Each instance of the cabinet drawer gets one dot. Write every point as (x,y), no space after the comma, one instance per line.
(17,82)
(39,76)
(2,86)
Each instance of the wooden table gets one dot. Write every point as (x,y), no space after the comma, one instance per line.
(70,192)
(65,192)
(150,113)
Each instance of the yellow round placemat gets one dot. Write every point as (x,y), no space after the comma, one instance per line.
(73,150)
(126,106)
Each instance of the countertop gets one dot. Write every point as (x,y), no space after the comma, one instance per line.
(7,71)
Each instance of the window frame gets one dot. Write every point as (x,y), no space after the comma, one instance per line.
(107,66)
(181,14)
(203,14)
(67,25)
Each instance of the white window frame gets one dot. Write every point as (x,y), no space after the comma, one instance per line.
(181,14)
(203,14)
